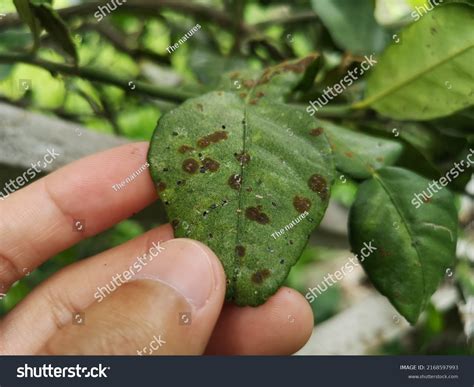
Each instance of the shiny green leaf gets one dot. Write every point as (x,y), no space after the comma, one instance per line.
(352,24)
(428,74)
(358,154)
(415,239)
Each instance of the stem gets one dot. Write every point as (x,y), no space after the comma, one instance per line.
(96,75)
(296,18)
(144,8)
(335,110)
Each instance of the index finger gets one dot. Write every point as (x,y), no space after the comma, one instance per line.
(74,202)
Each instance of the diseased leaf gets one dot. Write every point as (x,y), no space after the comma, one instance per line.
(27,15)
(56,27)
(352,24)
(358,154)
(235,169)
(415,240)
(429,73)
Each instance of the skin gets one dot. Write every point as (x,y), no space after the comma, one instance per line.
(36,224)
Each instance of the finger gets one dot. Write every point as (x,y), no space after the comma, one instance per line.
(51,307)
(37,221)
(281,326)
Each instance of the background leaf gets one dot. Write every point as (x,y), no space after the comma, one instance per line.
(414,245)
(358,154)
(352,24)
(57,29)
(429,73)
(27,15)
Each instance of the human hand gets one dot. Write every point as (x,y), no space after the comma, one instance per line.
(173,304)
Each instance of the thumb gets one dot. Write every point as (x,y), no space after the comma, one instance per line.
(170,307)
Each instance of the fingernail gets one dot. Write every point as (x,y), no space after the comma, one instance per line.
(186,266)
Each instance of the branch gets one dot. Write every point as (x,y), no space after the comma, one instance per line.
(118,40)
(96,75)
(144,8)
(296,18)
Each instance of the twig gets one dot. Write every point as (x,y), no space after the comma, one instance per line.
(92,74)
(118,40)
(144,8)
(296,18)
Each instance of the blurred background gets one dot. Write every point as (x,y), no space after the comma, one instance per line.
(126,79)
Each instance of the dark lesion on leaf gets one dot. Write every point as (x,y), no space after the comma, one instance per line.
(318,184)
(160,186)
(235,181)
(256,214)
(242,157)
(260,276)
(316,131)
(240,250)
(210,164)
(175,224)
(212,138)
(185,148)
(190,166)
(301,204)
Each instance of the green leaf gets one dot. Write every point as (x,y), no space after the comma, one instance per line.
(352,24)
(5,71)
(415,240)
(357,154)
(429,73)
(27,15)
(56,27)
(235,168)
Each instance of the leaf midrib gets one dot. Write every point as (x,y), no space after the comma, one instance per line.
(369,101)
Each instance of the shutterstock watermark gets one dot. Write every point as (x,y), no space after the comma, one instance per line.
(106,9)
(48,371)
(347,81)
(185,37)
(365,252)
(435,186)
(424,9)
(29,174)
(122,278)
(155,344)
(289,226)
(129,179)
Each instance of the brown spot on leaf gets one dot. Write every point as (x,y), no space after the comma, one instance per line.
(318,184)
(260,276)
(260,94)
(349,154)
(256,214)
(240,250)
(160,186)
(175,224)
(301,204)
(248,83)
(212,138)
(243,95)
(316,131)
(235,181)
(190,165)
(254,101)
(242,157)
(210,164)
(185,148)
